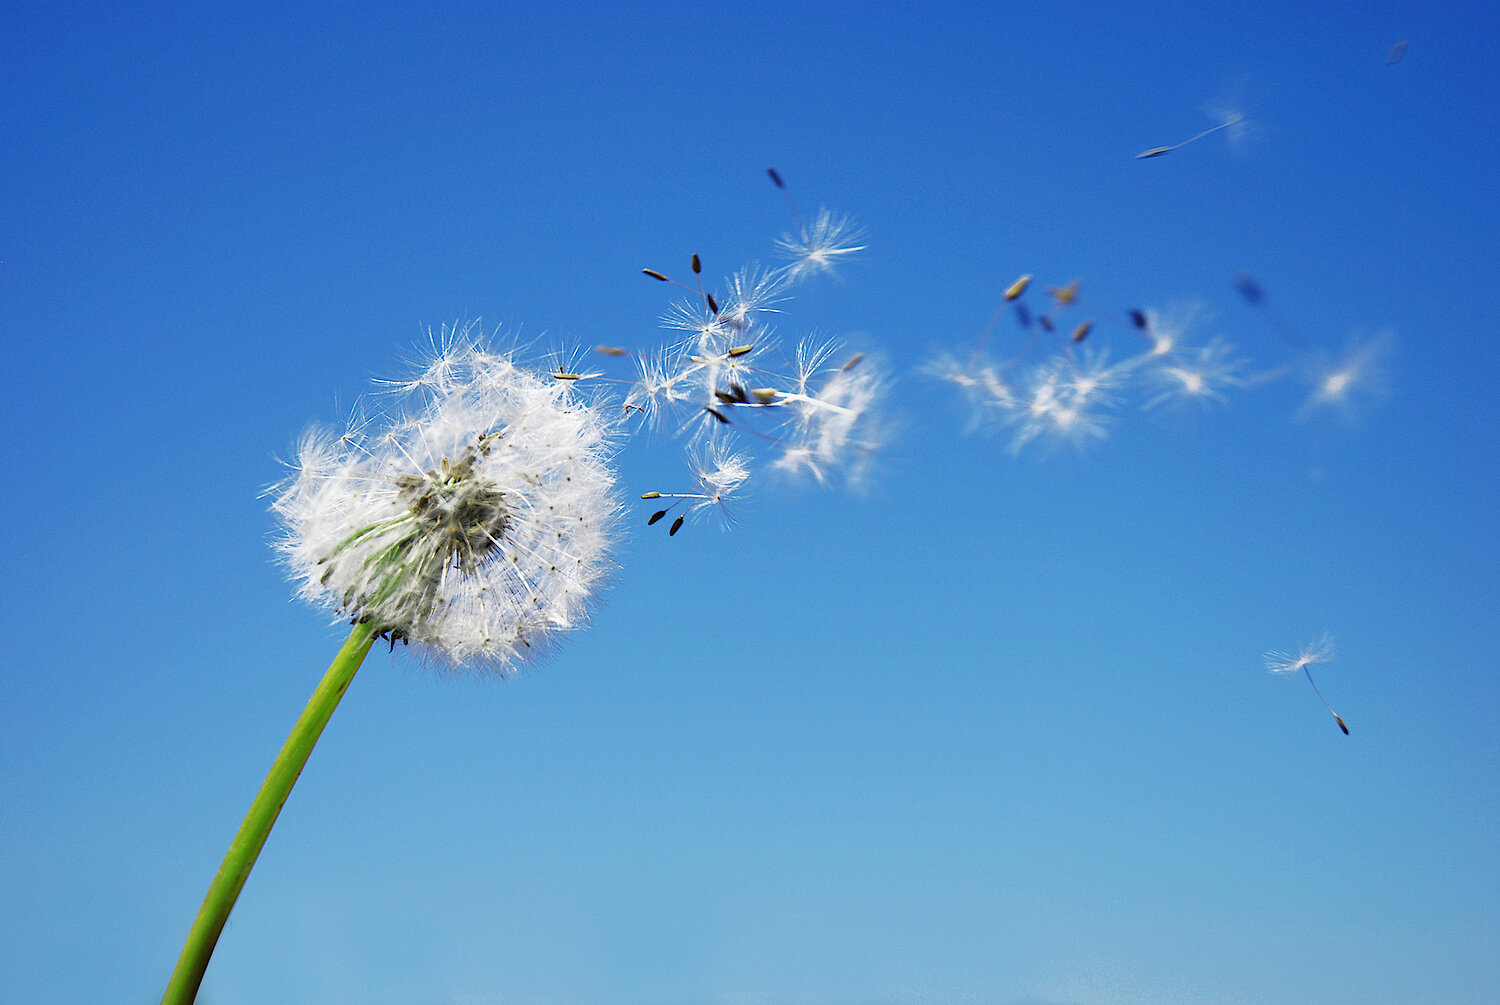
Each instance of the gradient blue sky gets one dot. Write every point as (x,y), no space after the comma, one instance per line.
(995,730)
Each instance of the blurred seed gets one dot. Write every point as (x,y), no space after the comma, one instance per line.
(1249,288)
(1138,318)
(1082,331)
(611,350)
(1045,322)
(711,410)
(1154,152)
(1023,315)
(1341,723)
(1065,295)
(853,361)
(776,178)
(656,275)
(726,397)
(1018,287)
(1397,51)
(765,395)
(676,526)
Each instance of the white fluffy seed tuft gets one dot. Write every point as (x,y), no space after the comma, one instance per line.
(475,521)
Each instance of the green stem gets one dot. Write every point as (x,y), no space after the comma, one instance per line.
(243,850)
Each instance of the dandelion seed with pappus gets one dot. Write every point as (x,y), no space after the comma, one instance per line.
(475,525)
(1320,651)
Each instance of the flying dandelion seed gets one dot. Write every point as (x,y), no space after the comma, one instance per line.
(821,247)
(1228,118)
(1355,378)
(1320,651)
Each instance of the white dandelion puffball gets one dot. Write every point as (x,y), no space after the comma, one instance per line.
(476,522)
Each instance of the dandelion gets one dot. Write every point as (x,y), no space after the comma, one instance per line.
(990,397)
(1064,403)
(476,524)
(718,473)
(1358,372)
(831,413)
(1320,651)
(1196,376)
(1229,117)
(820,247)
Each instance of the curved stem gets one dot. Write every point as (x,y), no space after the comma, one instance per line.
(243,850)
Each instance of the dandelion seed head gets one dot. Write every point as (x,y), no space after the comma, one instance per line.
(477,524)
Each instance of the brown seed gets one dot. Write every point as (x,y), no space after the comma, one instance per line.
(676,526)
(1082,331)
(713,304)
(1065,295)
(697,265)
(610,350)
(656,516)
(656,275)
(711,410)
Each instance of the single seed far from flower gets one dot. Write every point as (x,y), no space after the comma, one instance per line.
(1138,318)
(853,362)
(1154,152)
(1017,288)
(1082,331)
(611,350)
(776,178)
(656,275)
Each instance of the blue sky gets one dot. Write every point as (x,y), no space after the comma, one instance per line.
(995,728)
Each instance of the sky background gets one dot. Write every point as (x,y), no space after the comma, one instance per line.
(995,728)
